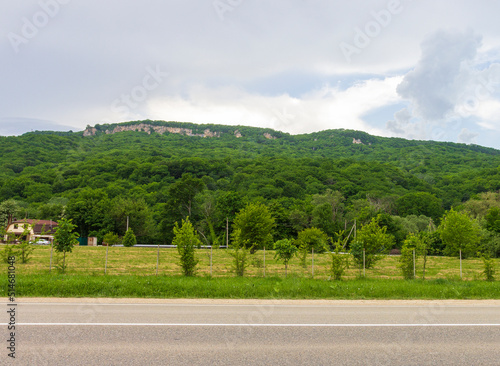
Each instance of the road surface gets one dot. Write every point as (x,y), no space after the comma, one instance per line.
(197,332)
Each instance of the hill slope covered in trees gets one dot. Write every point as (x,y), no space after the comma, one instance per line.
(159,172)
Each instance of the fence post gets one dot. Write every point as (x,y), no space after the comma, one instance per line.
(51,250)
(106,262)
(414,269)
(210,261)
(460,263)
(264,261)
(313,262)
(157,258)
(364,272)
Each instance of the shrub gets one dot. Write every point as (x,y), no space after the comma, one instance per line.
(374,240)
(312,238)
(110,239)
(239,252)
(489,268)
(186,240)
(129,240)
(285,250)
(406,261)
(339,263)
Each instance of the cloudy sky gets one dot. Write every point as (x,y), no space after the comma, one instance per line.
(415,69)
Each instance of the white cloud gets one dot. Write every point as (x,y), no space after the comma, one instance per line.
(327,108)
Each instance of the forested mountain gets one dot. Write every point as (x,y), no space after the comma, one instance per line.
(159,172)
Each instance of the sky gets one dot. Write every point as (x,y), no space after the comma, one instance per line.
(426,70)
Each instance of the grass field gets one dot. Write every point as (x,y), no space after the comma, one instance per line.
(142,261)
(131,272)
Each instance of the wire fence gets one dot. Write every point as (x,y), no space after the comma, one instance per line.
(164,261)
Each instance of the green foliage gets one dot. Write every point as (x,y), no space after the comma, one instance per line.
(25,249)
(240,253)
(186,241)
(129,240)
(493,220)
(339,261)
(459,232)
(310,180)
(8,209)
(409,256)
(420,203)
(8,250)
(285,250)
(374,240)
(253,227)
(309,239)
(65,239)
(111,239)
(489,268)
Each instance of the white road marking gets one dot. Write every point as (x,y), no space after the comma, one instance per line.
(336,325)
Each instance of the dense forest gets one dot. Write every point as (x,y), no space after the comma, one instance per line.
(157,173)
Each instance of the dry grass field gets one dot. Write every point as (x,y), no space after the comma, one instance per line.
(143,262)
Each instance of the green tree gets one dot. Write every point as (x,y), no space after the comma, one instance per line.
(111,239)
(65,239)
(90,212)
(489,268)
(420,203)
(374,240)
(459,233)
(129,240)
(138,213)
(285,250)
(328,211)
(239,253)
(8,209)
(186,241)
(253,227)
(309,239)
(406,260)
(339,261)
(493,220)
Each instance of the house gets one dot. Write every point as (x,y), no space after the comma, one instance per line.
(31,230)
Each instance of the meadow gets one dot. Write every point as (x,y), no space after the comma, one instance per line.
(143,262)
(132,272)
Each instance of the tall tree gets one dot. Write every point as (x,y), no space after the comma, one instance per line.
(374,240)
(65,239)
(459,233)
(254,225)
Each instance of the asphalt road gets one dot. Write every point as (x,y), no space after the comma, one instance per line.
(129,332)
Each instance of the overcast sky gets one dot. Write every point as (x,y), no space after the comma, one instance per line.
(415,69)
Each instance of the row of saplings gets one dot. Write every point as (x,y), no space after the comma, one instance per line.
(370,244)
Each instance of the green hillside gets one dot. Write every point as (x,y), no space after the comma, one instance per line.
(157,176)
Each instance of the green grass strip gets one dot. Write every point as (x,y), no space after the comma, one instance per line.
(246,288)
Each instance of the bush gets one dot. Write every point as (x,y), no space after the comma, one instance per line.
(186,241)
(309,239)
(25,249)
(110,239)
(239,252)
(489,268)
(406,262)
(285,250)
(374,240)
(129,240)
(340,262)
(9,250)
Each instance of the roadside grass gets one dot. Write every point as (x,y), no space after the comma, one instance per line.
(292,287)
(131,273)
